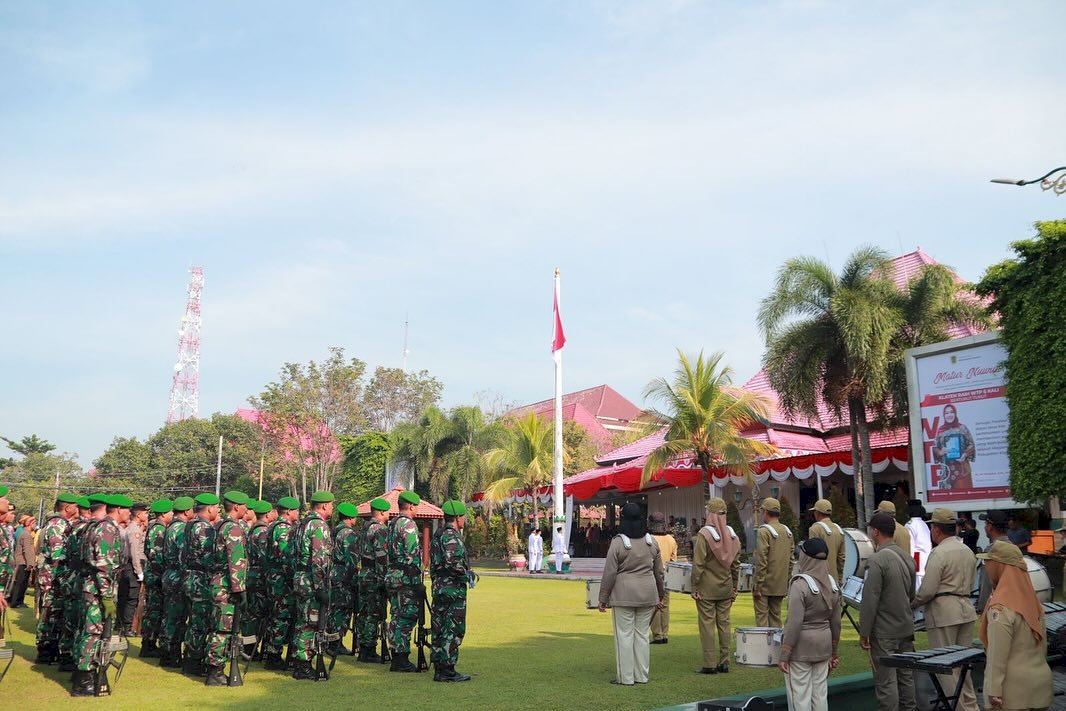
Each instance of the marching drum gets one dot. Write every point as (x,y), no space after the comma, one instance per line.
(857,548)
(758,646)
(1038,574)
(592,594)
(747,575)
(678,577)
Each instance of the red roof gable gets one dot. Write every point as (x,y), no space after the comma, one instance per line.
(423,510)
(602,402)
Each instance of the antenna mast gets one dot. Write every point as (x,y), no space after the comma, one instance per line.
(185,388)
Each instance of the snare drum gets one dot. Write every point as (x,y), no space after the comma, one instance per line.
(857,548)
(1038,574)
(592,594)
(758,646)
(747,575)
(852,591)
(678,577)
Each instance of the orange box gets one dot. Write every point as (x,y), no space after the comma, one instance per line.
(1043,542)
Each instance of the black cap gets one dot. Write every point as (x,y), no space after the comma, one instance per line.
(815,548)
(996,518)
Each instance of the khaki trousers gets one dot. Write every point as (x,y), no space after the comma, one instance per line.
(712,616)
(631,651)
(894,687)
(955,634)
(807,686)
(768,611)
(660,619)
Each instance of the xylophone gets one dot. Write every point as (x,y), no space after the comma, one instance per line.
(942,660)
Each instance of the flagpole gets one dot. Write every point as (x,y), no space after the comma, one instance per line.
(557,463)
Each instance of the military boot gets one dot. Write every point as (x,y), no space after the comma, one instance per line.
(192,667)
(66,664)
(149,649)
(401,663)
(367,654)
(456,676)
(46,654)
(216,676)
(337,649)
(272,661)
(81,683)
(302,670)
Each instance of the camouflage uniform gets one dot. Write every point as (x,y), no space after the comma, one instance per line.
(98,582)
(69,584)
(345,579)
(51,553)
(7,553)
(311,551)
(402,579)
(198,557)
(175,603)
(256,610)
(153,580)
(229,571)
(278,579)
(448,567)
(372,583)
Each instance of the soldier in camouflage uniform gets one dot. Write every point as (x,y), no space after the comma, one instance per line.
(6,552)
(91,508)
(373,561)
(255,611)
(175,604)
(198,558)
(345,576)
(278,577)
(229,572)
(311,548)
(99,585)
(403,580)
(51,551)
(163,509)
(448,568)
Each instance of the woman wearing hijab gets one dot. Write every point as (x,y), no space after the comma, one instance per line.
(954,450)
(632,585)
(715,569)
(812,630)
(1017,675)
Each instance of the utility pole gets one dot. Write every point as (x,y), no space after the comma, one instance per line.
(405,350)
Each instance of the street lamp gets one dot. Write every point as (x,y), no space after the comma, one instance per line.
(1047,182)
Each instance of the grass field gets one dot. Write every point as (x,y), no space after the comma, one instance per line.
(530,644)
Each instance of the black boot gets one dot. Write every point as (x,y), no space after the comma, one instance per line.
(337,649)
(81,683)
(193,667)
(149,649)
(401,663)
(302,670)
(456,676)
(272,661)
(367,654)
(46,655)
(440,672)
(216,676)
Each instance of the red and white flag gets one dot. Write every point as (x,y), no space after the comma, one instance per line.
(558,337)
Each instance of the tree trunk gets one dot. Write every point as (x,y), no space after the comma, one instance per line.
(536,515)
(865,456)
(856,466)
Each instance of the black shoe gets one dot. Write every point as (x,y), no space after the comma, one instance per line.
(657,641)
(193,668)
(722,668)
(401,663)
(368,655)
(67,665)
(456,676)
(303,670)
(216,676)
(272,661)
(149,649)
(81,683)
(337,649)
(707,670)
(46,655)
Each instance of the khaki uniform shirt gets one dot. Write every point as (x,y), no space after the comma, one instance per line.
(1016,664)
(834,539)
(773,560)
(902,538)
(667,546)
(812,630)
(946,587)
(711,579)
(885,612)
(632,577)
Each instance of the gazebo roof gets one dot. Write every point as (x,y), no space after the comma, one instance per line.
(423,510)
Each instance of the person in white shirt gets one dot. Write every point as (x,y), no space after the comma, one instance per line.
(535,550)
(558,547)
(921,541)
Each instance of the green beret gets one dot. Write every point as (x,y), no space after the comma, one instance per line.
(183,503)
(410,497)
(235,497)
(162,506)
(261,507)
(67,498)
(289,502)
(83,502)
(347,510)
(98,498)
(380,504)
(207,499)
(454,508)
(121,501)
(4,490)
(322,497)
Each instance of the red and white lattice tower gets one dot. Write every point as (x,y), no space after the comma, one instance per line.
(185,390)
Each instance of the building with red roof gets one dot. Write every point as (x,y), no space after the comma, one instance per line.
(601,410)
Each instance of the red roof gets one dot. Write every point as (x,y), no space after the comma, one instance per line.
(574,412)
(603,402)
(423,510)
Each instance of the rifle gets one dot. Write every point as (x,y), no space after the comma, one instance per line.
(323,644)
(386,655)
(355,634)
(234,648)
(104,658)
(423,632)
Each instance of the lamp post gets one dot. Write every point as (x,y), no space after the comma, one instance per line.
(1054,180)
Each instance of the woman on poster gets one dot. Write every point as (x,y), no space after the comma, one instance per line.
(954,450)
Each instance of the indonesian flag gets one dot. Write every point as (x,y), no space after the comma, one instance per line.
(558,337)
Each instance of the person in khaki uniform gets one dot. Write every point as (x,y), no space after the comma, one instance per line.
(773,565)
(824,529)
(660,619)
(812,631)
(996,529)
(715,569)
(945,594)
(1014,633)
(886,621)
(901,537)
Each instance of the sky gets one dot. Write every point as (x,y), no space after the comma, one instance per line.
(337,168)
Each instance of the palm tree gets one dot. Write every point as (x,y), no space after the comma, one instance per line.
(704,416)
(471,437)
(422,445)
(829,338)
(524,461)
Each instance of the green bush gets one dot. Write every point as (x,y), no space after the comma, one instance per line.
(788,516)
(843,513)
(732,517)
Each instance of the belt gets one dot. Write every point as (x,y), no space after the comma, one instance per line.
(952,594)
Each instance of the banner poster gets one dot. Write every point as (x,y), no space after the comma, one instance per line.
(964,424)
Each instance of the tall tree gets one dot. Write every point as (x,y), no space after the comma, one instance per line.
(31,444)
(125,455)
(524,461)
(579,447)
(421,446)
(394,396)
(363,473)
(33,478)
(1029,293)
(704,416)
(829,338)
(470,438)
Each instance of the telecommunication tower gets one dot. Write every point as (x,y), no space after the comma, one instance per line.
(185,389)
